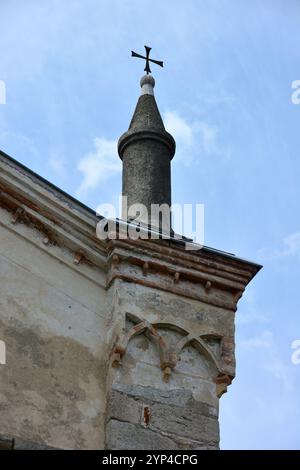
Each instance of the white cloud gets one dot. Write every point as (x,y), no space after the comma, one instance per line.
(249,311)
(272,361)
(179,128)
(99,165)
(194,137)
(291,247)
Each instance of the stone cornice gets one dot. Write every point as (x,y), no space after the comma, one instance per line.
(207,275)
(211,276)
(60,219)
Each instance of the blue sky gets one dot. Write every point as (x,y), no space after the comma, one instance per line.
(225,94)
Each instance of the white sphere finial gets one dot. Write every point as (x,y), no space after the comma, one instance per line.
(147,85)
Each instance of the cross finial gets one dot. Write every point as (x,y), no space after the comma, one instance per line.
(147,59)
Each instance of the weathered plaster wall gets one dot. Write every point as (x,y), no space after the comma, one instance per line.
(53,321)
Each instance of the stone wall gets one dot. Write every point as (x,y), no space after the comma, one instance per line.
(53,321)
(156,419)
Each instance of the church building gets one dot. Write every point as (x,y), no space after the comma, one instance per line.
(113,343)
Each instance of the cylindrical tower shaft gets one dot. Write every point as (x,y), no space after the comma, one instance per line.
(146,150)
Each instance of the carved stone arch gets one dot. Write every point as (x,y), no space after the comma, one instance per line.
(169,354)
(144,327)
(199,345)
(196,341)
(171,326)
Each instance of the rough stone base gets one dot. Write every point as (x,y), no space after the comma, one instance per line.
(151,419)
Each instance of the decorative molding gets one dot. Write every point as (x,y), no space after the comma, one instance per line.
(59,218)
(169,355)
(197,275)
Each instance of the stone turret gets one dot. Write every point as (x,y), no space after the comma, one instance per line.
(171,322)
(146,150)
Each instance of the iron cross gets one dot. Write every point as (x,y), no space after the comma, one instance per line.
(147,59)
